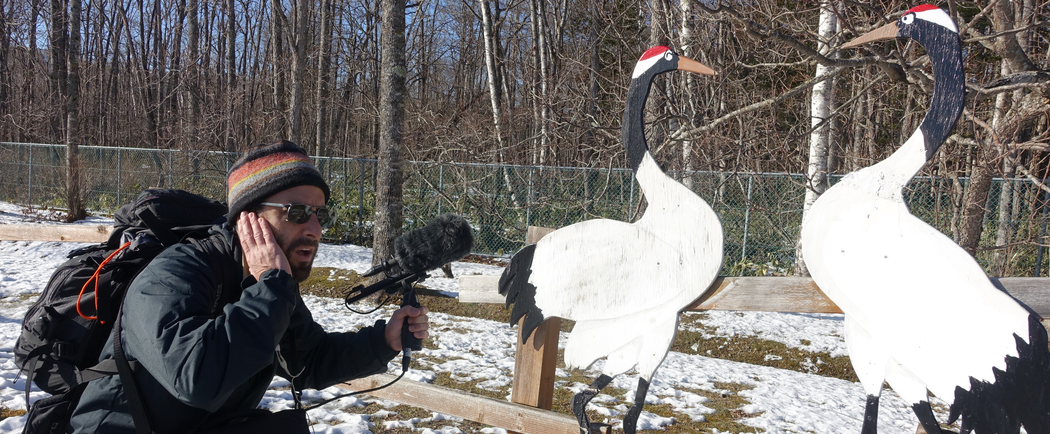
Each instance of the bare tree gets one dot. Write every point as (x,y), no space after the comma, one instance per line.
(5,47)
(324,61)
(74,202)
(389,201)
(299,60)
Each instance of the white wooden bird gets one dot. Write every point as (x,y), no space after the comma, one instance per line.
(622,283)
(920,313)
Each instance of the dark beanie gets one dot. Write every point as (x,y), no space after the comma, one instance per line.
(266,170)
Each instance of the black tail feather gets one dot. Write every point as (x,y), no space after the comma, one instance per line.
(514,284)
(1020,395)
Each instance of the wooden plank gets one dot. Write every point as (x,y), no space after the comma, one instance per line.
(481,409)
(480,289)
(534,233)
(40,232)
(790,294)
(765,294)
(1034,292)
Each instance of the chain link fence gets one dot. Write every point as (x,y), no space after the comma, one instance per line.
(760,212)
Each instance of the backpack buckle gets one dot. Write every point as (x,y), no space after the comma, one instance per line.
(62,350)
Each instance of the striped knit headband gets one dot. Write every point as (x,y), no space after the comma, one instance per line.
(266,170)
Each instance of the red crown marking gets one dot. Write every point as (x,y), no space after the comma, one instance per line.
(652,52)
(921,8)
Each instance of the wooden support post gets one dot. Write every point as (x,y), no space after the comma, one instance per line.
(535,360)
(534,364)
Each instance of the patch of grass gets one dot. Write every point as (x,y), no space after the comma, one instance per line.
(7,412)
(329,282)
(404,412)
(444,379)
(757,351)
(727,406)
(764,353)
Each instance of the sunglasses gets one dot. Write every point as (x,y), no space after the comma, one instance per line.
(300,213)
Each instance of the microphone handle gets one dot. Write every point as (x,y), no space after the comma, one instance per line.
(409,340)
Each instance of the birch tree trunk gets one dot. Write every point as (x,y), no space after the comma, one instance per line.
(686,39)
(542,103)
(390,174)
(821,100)
(1008,196)
(495,81)
(495,91)
(1005,225)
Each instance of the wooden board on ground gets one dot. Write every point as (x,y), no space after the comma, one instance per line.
(481,409)
(40,232)
(765,294)
(782,294)
(1034,292)
(480,289)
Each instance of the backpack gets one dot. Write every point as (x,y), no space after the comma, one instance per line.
(64,331)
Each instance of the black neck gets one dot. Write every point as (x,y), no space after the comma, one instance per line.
(633,129)
(949,89)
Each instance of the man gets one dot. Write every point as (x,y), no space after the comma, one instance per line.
(206,342)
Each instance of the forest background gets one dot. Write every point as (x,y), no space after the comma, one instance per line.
(541,83)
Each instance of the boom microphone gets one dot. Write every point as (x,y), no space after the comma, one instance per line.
(447,238)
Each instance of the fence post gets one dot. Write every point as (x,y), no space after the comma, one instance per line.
(528,200)
(441,187)
(360,197)
(119,171)
(747,221)
(1042,235)
(171,170)
(630,200)
(30,202)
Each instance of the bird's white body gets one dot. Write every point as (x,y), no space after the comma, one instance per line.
(624,283)
(920,311)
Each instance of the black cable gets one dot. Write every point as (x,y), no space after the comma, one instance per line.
(382,302)
(406,361)
(356,393)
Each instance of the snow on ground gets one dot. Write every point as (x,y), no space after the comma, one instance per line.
(470,349)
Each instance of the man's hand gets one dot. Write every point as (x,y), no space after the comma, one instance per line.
(418,324)
(261,251)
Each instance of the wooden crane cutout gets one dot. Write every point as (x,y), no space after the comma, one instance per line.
(920,313)
(623,283)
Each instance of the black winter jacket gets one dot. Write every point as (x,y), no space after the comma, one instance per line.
(199,364)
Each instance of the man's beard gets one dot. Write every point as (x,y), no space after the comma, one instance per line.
(300,270)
